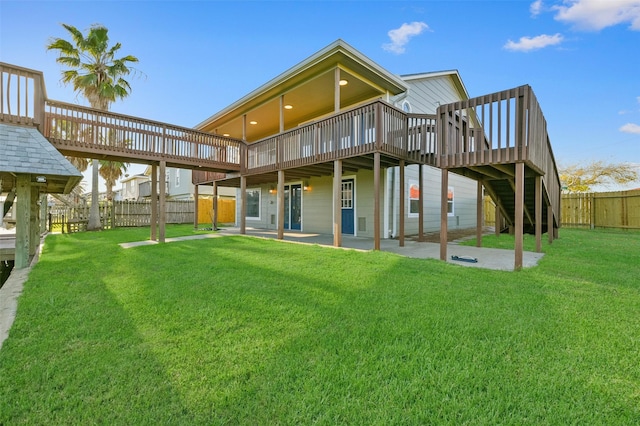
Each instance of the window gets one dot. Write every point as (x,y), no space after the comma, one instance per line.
(406,106)
(253,203)
(450,202)
(414,198)
(177,177)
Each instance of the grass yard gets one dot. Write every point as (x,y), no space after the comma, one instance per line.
(238,330)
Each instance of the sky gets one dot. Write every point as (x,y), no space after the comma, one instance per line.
(581,57)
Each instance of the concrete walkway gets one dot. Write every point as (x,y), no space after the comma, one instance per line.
(488,258)
(9,293)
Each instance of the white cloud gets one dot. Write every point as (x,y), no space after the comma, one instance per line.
(400,36)
(535,8)
(630,128)
(598,14)
(526,44)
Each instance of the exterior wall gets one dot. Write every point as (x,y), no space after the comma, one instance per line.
(426,94)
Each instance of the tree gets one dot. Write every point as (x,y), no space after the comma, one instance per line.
(97,74)
(111,171)
(581,178)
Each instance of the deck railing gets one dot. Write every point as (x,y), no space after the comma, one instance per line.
(75,128)
(22,95)
(78,130)
(500,128)
(347,134)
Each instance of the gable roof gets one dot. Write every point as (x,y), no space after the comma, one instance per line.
(454,74)
(26,151)
(309,87)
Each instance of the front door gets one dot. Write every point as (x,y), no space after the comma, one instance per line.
(348,204)
(293,207)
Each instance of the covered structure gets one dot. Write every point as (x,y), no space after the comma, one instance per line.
(30,166)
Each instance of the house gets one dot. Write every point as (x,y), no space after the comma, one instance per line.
(340,80)
(130,190)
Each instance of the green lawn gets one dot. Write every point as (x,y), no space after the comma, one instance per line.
(237,330)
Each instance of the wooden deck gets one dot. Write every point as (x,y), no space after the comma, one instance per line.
(500,140)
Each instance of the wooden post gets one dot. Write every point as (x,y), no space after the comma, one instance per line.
(420,204)
(498,221)
(479,215)
(444,213)
(337,203)
(401,194)
(161,204)
(215,206)
(376,200)
(550,229)
(280,204)
(519,219)
(154,201)
(195,206)
(538,212)
(243,205)
(34,228)
(23,210)
(336,92)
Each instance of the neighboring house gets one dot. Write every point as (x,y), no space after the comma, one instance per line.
(131,187)
(340,79)
(181,187)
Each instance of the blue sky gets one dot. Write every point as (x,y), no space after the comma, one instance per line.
(581,57)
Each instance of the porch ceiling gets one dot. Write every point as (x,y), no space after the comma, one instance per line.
(309,88)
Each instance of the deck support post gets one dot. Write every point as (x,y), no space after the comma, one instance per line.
(195,206)
(420,204)
(538,213)
(444,213)
(23,211)
(214,206)
(519,215)
(479,214)
(280,204)
(154,202)
(161,204)
(243,205)
(337,203)
(550,228)
(376,200)
(34,226)
(498,224)
(401,194)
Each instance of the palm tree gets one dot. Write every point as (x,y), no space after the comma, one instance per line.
(111,171)
(95,73)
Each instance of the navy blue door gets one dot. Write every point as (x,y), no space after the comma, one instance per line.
(293,207)
(348,215)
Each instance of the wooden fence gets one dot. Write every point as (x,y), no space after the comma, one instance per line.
(118,214)
(591,210)
(602,210)
(226,210)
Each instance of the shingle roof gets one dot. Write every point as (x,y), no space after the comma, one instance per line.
(23,150)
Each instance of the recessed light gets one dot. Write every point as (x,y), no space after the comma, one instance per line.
(253,122)
(343,82)
(225,134)
(288,107)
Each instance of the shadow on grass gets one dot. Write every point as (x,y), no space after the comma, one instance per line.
(74,356)
(249,331)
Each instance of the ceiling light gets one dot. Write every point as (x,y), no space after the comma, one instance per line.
(343,82)
(253,122)
(288,107)
(225,135)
